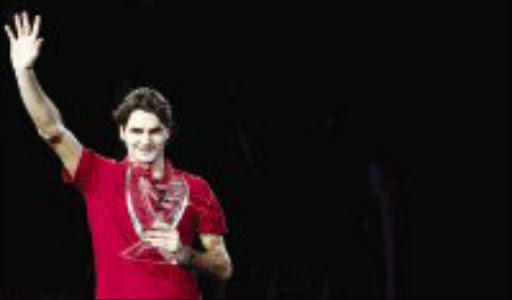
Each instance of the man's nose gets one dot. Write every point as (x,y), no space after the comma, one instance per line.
(145,139)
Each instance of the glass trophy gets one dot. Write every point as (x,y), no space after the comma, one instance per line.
(147,205)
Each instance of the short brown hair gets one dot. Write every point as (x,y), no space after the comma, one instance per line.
(148,100)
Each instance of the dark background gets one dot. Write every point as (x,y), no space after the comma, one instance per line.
(281,107)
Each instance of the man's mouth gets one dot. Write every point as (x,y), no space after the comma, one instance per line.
(146,151)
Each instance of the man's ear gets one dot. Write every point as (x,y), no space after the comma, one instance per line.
(168,133)
(121,133)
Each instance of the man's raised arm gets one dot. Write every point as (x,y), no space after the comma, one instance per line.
(25,45)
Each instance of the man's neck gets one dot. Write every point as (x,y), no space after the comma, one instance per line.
(157,167)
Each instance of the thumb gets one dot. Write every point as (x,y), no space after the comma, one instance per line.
(39,43)
(159,224)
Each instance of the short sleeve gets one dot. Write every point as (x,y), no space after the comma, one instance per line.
(211,216)
(84,173)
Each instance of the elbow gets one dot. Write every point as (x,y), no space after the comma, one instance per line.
(228,273)
(49,123)
(225,272)
(50,131)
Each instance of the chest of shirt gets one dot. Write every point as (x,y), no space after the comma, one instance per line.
(110,220)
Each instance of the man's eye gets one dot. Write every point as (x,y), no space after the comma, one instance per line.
(156,130)
(136,131)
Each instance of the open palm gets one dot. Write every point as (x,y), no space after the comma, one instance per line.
(25,43)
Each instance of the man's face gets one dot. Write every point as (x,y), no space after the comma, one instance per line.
(144,136)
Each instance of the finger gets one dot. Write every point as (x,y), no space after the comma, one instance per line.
(37,25)
(156,242)
(39,42)
(10,34)
(150,242)
(153,239)
(25,23)
(168,234)
(159,234)
(17,23)
(161,225)
(148,235)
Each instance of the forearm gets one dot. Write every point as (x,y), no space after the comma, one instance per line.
(214,263)
(42,111)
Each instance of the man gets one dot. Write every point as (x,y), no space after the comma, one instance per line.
(127,224)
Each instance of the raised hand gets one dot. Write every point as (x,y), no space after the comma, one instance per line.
(25,43)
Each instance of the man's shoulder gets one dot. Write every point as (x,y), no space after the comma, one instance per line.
(192,178)
(198,184)
(102,160)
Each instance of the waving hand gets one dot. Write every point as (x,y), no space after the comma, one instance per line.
(25,42)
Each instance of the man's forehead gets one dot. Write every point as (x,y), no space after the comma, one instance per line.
(140,118)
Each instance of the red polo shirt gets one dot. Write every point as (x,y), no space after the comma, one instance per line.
(101,181)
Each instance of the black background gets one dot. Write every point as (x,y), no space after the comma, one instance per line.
(281,107)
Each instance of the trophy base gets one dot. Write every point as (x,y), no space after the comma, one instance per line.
(141,252)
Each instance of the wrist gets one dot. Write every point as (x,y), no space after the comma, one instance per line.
(22,69)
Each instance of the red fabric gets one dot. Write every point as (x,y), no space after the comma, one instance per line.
(101,181)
